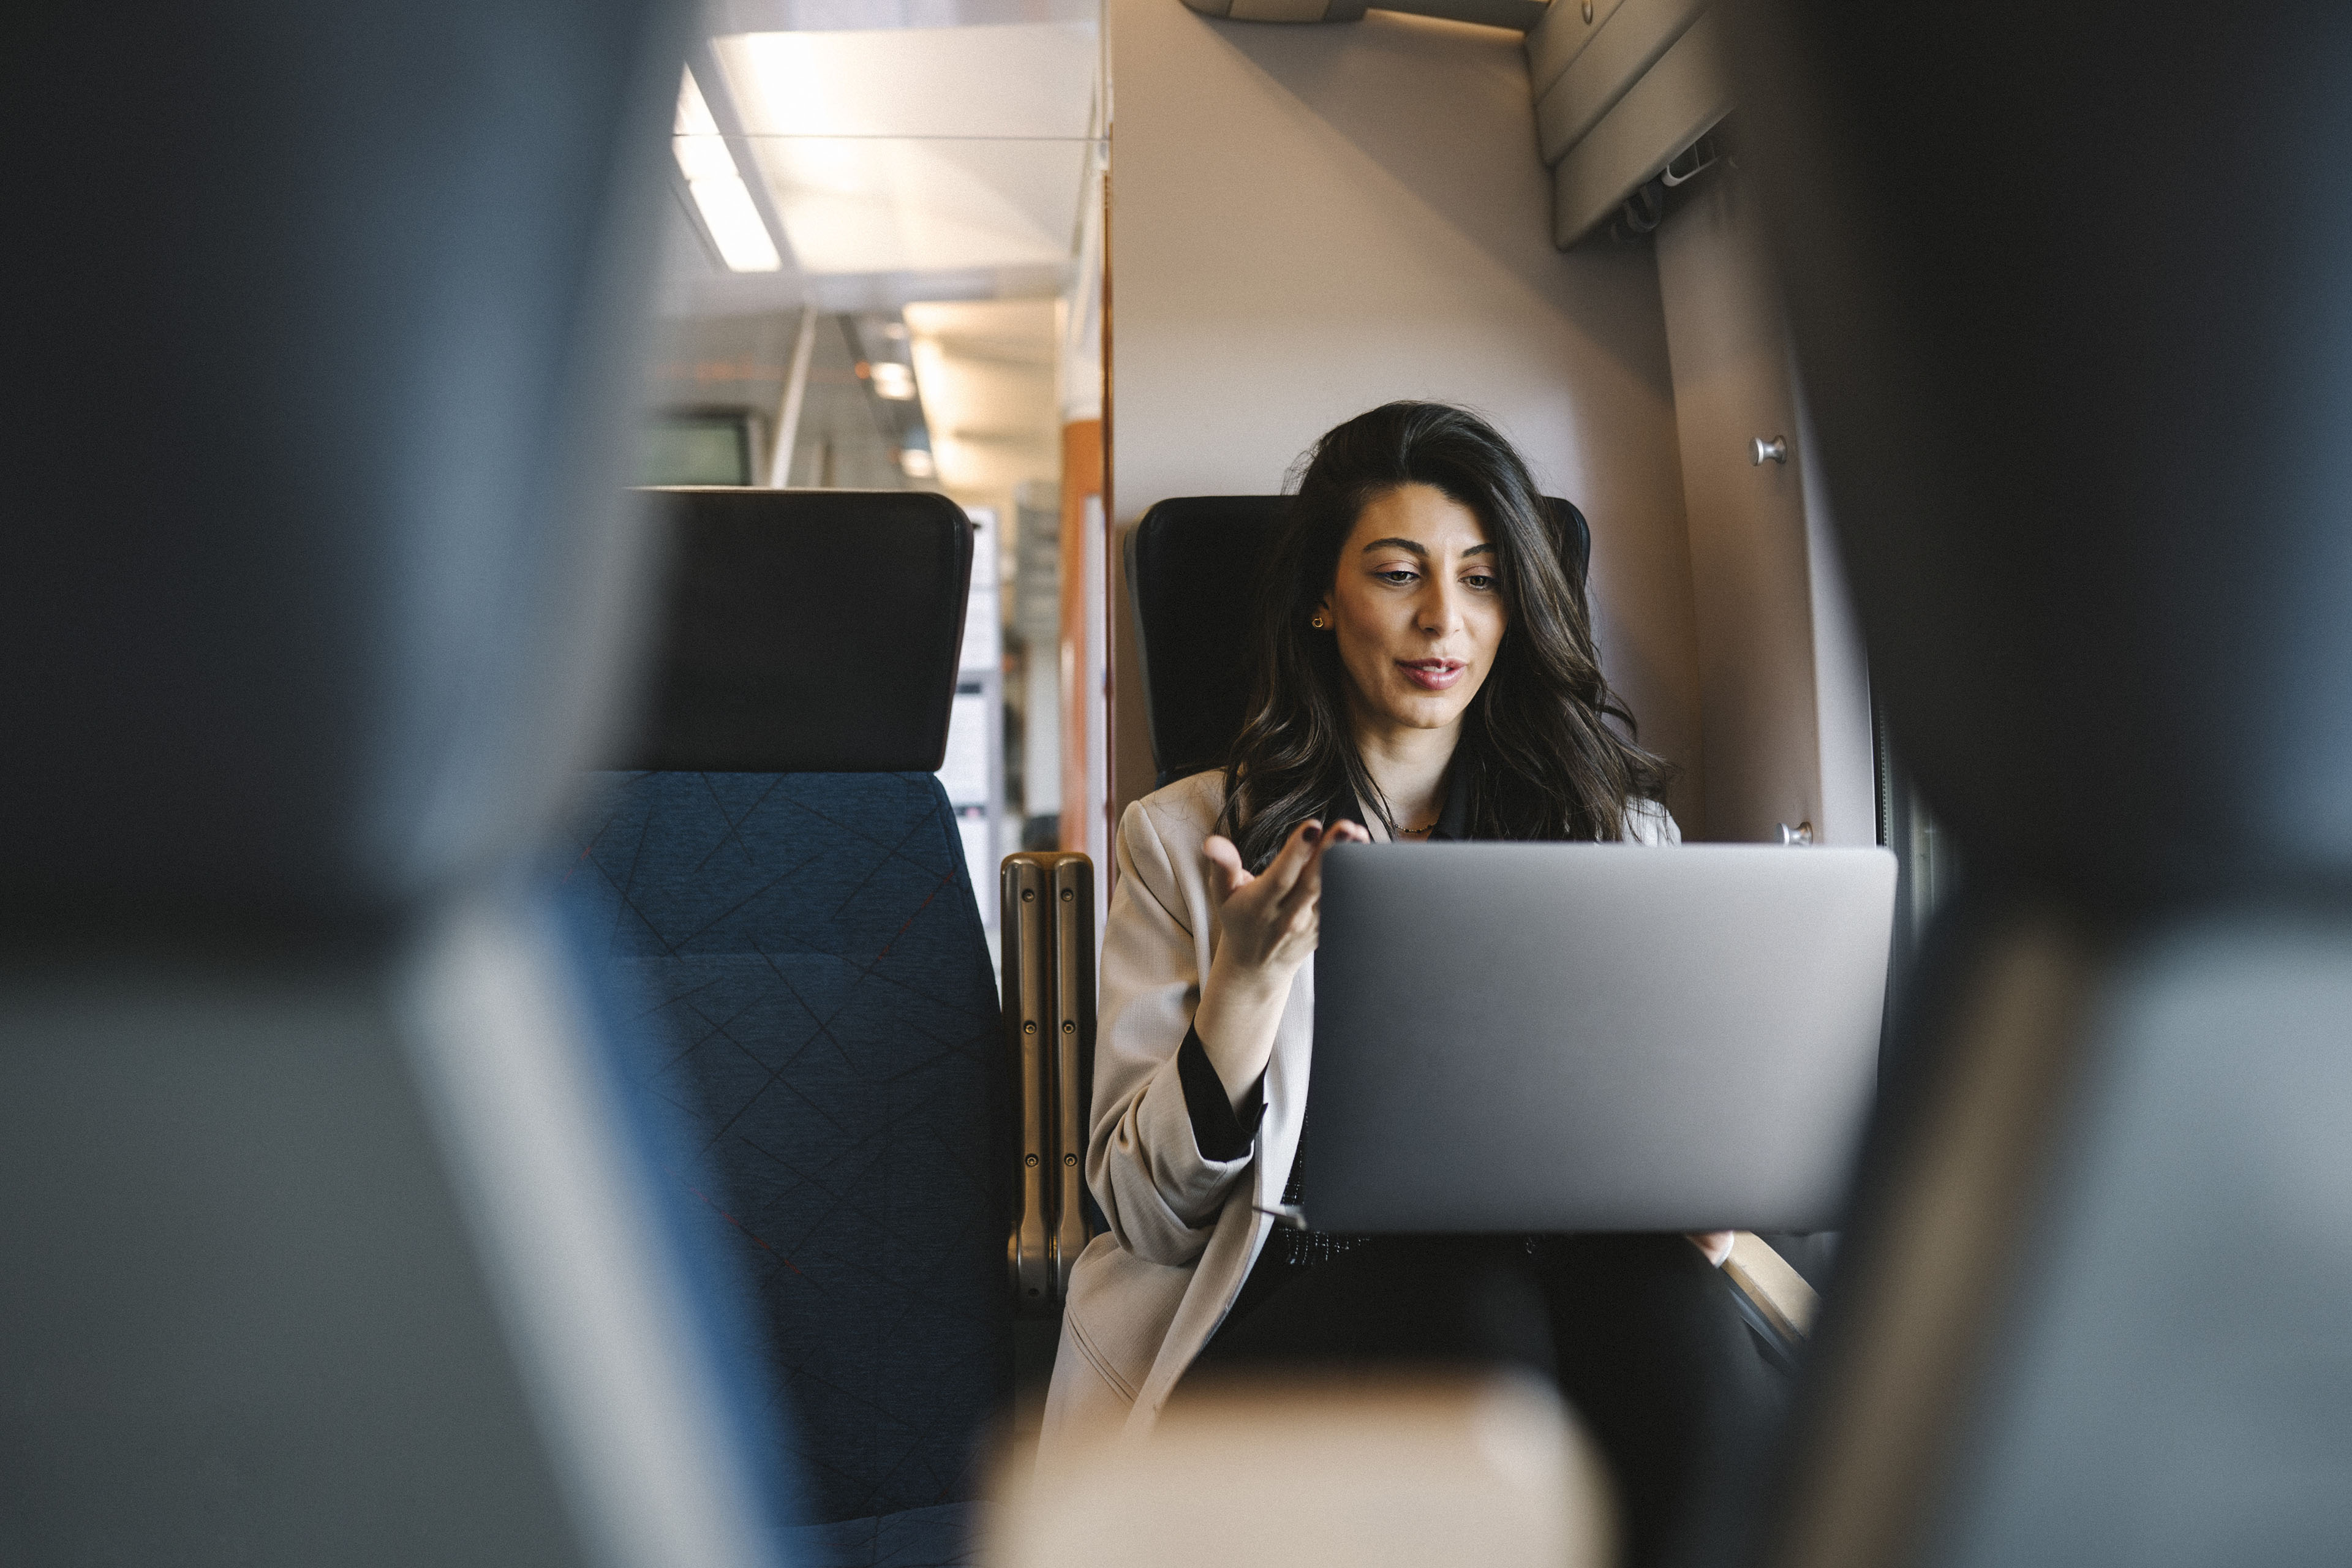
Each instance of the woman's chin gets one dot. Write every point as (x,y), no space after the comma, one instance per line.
(1423,710)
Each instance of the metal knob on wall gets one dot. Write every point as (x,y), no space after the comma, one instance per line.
(1800,834)
(1777,448)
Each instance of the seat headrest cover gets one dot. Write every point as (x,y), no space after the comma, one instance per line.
(1192,567)
(805,631)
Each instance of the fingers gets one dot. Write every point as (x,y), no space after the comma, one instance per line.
(1310,880)
(1306,891)
(1231,875)
(1293,877)
(1297,850)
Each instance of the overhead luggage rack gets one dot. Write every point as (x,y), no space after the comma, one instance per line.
(1623,90)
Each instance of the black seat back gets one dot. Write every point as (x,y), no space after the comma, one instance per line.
(805,631)
(1192,566)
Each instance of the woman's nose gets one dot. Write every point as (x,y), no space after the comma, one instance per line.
(1441,609)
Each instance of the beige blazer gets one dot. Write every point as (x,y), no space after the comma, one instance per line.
(1149,1293)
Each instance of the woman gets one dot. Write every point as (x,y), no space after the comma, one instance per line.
(1425,670)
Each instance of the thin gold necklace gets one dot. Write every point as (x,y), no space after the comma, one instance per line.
(1416,832)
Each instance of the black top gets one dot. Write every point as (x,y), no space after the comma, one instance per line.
(1222,1133)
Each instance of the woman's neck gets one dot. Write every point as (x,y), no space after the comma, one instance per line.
(1409,767)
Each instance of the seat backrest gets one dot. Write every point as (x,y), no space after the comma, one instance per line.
(1191,572)
(329,1237)
(2092,1307)
(783,882)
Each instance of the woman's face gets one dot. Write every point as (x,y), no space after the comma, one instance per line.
(1416,608)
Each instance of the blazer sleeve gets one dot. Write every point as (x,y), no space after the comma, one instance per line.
(1160,1194)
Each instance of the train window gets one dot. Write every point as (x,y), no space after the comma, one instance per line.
(697,449)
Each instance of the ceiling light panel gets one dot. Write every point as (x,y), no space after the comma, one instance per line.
(889,205)
(723,16)
(725,202)
(1023,81)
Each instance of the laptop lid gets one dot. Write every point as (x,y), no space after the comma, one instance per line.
(1594,1036)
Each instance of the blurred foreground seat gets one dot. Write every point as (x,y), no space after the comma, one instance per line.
(2084,440)
(330,1232)
(1368,1471)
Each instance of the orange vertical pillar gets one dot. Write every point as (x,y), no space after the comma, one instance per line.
(1083,705)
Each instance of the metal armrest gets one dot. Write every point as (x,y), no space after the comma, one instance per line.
(1049,1024)
(1027,948)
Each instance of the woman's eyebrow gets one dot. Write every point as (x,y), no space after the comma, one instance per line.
(1422,550)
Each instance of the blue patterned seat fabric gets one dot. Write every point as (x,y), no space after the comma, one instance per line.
(817,981)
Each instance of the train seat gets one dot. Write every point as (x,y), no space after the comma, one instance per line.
(2092,1305)
(781,883)
(328,1235)
(1187,563)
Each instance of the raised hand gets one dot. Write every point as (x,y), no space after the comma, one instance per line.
(1270,921)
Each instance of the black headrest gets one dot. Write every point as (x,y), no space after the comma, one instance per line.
(805,631)
(1191,571)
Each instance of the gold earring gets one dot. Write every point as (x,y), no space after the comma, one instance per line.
(1320,621)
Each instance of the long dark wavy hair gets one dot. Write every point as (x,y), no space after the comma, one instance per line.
(1538,754)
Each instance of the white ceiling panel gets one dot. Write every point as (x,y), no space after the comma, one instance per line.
(891,205)
(986,371)
(1023,79)
(722,16)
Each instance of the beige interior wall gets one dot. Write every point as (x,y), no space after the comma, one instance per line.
(1306,221)
(1783,700)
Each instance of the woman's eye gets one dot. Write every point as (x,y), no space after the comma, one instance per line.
(1396,575)
(1480,581)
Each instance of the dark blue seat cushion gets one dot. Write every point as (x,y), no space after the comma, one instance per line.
(813,966)
(941,1537)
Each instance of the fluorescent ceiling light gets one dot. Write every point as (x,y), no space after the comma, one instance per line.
(724,200)
(916,463)
(893,381)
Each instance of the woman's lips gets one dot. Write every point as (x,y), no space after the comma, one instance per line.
(1433,674)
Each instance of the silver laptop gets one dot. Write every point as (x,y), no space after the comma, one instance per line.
(1594,1036)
